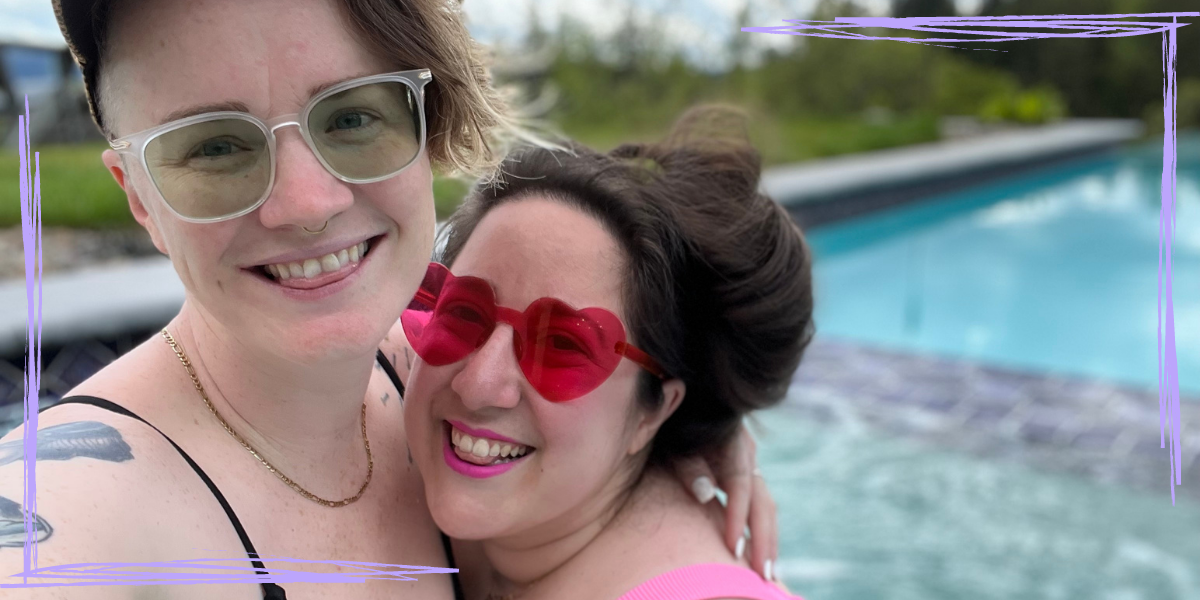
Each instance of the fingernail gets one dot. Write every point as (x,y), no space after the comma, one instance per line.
(741,547)
(768,570)
(704,489)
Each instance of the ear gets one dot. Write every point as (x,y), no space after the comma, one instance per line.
(116,167)
(647,427)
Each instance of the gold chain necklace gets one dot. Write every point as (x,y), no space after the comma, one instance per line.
(187,365)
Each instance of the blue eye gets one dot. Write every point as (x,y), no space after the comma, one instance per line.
(217,148)
(349,121)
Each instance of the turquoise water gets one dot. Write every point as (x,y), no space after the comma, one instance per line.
(1054,271)
(864,518)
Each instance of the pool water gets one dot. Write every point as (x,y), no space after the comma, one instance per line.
(864,517)
(1055,271)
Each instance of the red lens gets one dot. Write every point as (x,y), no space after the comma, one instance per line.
(449,317)
(563,352)
(568,352)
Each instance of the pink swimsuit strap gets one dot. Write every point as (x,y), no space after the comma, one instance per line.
(707,582)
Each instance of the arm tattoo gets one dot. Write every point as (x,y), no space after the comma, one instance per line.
(407,359)
(385,397)
(87,439)
(12,525)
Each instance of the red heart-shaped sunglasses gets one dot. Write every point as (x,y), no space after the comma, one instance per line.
(563,352)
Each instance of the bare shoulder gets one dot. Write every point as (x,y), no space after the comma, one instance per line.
(107,489)
(660,529)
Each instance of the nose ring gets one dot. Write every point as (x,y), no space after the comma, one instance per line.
(317,231)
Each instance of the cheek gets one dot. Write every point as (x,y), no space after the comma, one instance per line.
(407,197)
(407,201)
(425,385)
(590,437)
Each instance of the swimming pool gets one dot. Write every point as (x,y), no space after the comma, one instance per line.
(1050,272)
(865,517)
(1054,271)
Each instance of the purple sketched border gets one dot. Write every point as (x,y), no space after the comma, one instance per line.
(958,30)
(174,572)
(964,30)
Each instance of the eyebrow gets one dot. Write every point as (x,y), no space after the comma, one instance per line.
(200,109)
(234,106)
(317,89)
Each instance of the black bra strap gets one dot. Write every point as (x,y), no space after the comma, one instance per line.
(390,370)
(271,591)
(395,377)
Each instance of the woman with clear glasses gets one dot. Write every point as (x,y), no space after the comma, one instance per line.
(281,153)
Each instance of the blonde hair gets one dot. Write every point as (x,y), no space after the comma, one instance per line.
(471,126)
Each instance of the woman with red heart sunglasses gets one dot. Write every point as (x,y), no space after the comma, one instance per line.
(593,320)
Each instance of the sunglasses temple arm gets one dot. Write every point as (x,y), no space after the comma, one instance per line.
(642,359)
(425,297)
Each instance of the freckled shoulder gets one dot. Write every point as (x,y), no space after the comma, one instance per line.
(109,488)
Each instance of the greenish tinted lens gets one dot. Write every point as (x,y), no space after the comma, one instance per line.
(211,169)
(368,131)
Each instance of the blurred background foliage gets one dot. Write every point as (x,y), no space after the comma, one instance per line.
(807,98)
(823,96)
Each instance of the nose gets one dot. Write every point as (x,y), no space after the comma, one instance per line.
(491,377)
(304,193)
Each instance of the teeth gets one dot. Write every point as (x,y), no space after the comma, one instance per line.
(329,263)
(315,266)
(484,448)
(312,268)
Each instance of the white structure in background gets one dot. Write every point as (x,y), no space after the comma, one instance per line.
(46,75)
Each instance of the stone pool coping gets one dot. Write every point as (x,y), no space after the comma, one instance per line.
(98,301)
(828,190)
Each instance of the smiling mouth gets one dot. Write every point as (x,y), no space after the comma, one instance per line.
(313,269)
(484,451)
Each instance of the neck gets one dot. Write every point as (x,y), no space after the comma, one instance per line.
(528,557)
(305,419)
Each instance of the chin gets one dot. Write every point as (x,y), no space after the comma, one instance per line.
(468,520)
(316,341)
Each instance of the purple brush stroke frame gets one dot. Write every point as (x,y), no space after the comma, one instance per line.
(175,572)
(1077,26)
(1016,28)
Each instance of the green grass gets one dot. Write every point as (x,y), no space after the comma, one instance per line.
(77,191)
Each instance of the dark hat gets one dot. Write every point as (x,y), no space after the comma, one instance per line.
(81,22)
